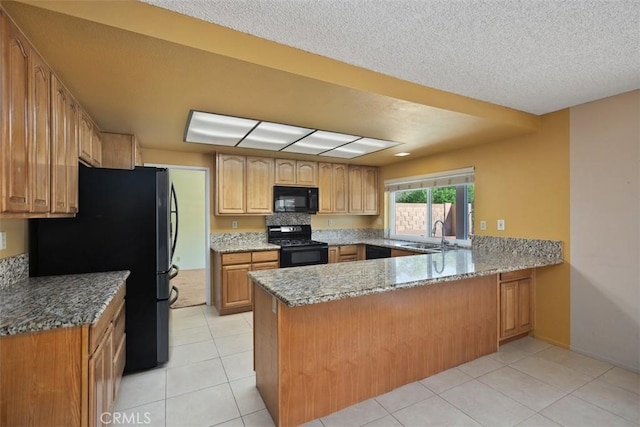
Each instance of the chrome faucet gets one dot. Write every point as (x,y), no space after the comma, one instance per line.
(443,242)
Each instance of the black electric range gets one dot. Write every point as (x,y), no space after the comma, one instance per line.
(296,246)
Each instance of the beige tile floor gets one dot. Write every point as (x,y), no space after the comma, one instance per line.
(209,381)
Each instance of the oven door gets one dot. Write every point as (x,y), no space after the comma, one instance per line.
(295,256)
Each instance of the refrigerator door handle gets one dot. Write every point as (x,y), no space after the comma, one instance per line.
(173,211)
(173,271)
(175,298)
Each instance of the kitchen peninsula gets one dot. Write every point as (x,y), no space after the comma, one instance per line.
(329,336)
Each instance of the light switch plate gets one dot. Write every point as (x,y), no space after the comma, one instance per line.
(501,224)
(234,224)
(483,225)
(3,240)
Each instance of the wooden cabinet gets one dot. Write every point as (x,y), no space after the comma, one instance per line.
(64,149)
(296,172)
(25,89)
(96,147)
(363,190)
(232,287)
(245,185)
(259,193)
(346,253)
(400,252)
(333,188)
(516,303)
(90,141)
(120,151)
(230,170)
(65,376)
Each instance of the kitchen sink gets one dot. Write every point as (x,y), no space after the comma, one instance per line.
(431,247)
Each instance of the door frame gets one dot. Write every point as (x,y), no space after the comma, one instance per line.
(207,224)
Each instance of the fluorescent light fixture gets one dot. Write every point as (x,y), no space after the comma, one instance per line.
(273,136)
(319,141)
(402,154)
(207,128)
(217,129)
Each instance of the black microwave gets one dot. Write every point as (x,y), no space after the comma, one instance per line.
(295,199)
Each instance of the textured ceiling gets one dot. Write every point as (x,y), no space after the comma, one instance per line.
(533,56)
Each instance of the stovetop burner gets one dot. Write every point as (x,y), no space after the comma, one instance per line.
(291,235)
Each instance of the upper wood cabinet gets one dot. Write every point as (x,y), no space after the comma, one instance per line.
(64,149)
(363,190)
(90,141)
(120,151)
(26,138)
(230,170)
(333,188)
(259,194)
(296,172)
(96,147)
(245,185)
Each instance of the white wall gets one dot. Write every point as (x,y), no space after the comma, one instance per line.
(190,188)
(605,229)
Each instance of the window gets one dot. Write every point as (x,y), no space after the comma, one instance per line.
(424,208)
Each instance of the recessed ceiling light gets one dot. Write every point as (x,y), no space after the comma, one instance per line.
(319,141)
(402,154)
(207,128)
(273,136)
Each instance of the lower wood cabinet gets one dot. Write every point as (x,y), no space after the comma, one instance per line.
(517,311)
(400,252)
(65,376)
(232,287)
(346,253)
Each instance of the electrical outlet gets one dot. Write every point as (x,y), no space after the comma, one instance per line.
(330,222)
(483,225)
(500,225)
(3,240)
(234,224)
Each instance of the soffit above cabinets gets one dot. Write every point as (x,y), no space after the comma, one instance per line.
(217,129)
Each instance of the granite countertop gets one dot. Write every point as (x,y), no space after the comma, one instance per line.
(298,286)
(243,247)
(42,303)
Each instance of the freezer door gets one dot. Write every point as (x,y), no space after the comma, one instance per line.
(163,287)
(163,331)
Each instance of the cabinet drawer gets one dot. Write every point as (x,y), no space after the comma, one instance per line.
(348,250)
(269,265)
(264,256)
(514,275)
(236,258)
(97,330)
(348,258)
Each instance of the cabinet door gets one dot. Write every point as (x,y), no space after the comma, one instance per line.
(85,132)
(59,147)
(370,190)
(333,255)
(356,203)
(15,119)
(325,187)
(508,309)
(96,147)
(307,173)
(72,155)
(236,286)
(340,188)
(285,172)
(259,185)
(40,142)
(231,184)
(525,305)
(100,380)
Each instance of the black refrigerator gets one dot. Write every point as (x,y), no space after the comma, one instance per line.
(124,223)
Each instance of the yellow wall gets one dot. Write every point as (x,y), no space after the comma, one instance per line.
(525,181)
(17,236)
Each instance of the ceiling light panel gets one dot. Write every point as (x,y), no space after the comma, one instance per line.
(360,148)
(319,142)
(273,136)
(207,128)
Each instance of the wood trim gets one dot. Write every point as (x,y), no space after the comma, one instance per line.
(336,354)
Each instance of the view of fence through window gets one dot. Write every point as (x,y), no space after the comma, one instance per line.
(417,212)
